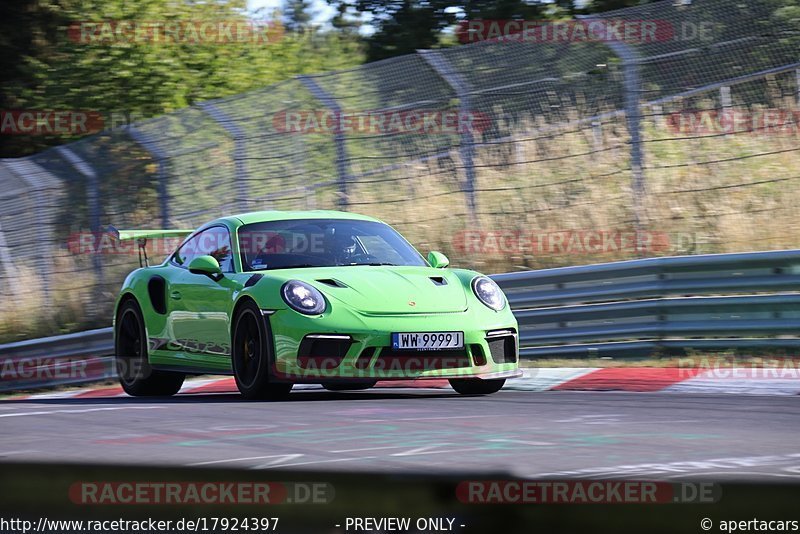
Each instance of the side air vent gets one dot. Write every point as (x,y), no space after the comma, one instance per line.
(331,282)
(438,280)
(253,280)
(157,291)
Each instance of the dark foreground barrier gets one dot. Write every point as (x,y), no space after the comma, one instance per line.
(68,498)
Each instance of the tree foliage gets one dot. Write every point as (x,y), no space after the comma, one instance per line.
(403,26)
(297,15)
(43,69)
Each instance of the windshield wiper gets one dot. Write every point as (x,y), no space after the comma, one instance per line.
(297,266)
(374,264)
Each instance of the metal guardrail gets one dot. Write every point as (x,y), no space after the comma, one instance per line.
(59,360)
(622,309)
(633,308)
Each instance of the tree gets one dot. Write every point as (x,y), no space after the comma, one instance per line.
(27,30)
(403,26)
(47,68)
(297,15)
(410,27)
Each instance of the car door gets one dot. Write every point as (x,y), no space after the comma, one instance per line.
(200,305)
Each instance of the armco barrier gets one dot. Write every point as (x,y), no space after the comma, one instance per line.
(59,360)
(632,308)
(622,309)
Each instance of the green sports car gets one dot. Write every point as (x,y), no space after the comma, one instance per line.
(325,297)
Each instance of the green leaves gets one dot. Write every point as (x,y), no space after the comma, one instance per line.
(56,69)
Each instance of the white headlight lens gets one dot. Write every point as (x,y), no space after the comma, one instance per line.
(489,293)
(303,297)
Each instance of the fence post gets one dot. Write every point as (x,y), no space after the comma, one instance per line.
(38,181)
(597,134)
(93,200)
(725,97)
(161,158)
(10,268)
(797,80)
(467,149)
(342,165)
(239,152)
(633,118)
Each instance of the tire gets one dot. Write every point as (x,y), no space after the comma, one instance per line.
(136,376)
(252,356)
(348,386)
(477,386)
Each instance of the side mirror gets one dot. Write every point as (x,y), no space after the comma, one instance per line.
(206,265)
(438,260)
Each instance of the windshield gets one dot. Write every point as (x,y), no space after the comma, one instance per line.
(322,243)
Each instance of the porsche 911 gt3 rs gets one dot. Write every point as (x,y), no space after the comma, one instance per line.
(277,298)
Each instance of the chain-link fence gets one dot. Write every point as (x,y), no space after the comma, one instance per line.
(668,128)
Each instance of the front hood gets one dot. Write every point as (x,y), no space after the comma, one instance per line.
(390,290)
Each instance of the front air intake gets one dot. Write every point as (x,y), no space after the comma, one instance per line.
(503,349)
(323,351)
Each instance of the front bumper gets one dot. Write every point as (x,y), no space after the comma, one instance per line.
(357,347)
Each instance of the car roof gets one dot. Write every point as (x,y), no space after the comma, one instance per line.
(276,215)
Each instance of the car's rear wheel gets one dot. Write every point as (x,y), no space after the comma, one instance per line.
(252,356)
(477,386)
(133,368)
(349,386)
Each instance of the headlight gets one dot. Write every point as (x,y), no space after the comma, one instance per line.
(488,292)
(303,298)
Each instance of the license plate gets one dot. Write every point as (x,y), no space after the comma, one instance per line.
(427,340)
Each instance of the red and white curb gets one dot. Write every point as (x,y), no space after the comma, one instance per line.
(739,381)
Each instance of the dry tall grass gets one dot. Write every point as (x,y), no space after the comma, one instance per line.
(704,194)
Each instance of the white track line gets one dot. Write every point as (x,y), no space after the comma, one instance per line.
(80,410)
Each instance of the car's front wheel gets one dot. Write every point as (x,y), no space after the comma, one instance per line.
(136,376)
(477,386)
(252,356)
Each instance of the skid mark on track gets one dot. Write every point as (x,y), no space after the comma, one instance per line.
(523,442)
(443,417)
(673,469)
(427,449)
(277,459)
(368,449)
(314,462)
(13,453)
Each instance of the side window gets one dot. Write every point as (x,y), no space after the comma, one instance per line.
(184,255)
(214,242)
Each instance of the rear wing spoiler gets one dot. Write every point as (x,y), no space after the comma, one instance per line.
(125,235)
(141,237)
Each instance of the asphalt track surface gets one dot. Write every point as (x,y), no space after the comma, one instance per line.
(534,435)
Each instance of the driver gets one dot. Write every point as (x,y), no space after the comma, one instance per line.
(339,245)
